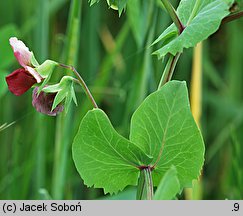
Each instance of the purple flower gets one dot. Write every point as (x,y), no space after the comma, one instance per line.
(43,103)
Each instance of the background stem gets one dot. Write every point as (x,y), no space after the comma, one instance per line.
(41,122)
(195,193)
(63,133)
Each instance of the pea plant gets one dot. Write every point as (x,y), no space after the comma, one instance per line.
(165,149)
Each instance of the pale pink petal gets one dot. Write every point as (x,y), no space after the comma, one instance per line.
(34,73)
(21,52)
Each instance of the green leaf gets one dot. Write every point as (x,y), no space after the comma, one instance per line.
(169,186)
(204,21)
(128,193)
(167,36)
(163,127)
(103,158)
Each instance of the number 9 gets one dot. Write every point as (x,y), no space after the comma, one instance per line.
(236,206)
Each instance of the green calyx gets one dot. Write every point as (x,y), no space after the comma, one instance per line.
(33,60)
(46,68)
(64,92)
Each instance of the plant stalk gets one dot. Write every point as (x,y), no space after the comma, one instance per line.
(232,17)
(171,11)
(82,83)
(145,184)
(169,70)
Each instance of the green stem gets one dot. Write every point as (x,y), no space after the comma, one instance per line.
(169,69)
(194,11)
(81,82)
(171,11)
(145,184)
(232,17)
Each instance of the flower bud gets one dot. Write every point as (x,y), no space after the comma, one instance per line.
(43,103)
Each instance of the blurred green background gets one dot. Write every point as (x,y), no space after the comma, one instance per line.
(113,55)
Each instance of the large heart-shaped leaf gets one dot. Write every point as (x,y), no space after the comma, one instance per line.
(163,127)
(204,21)
(103,157)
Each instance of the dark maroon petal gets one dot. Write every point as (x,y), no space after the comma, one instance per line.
(43,103)
(20,81)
